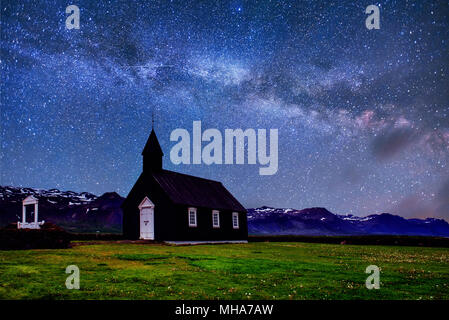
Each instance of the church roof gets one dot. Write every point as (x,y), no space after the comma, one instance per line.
(152,145)
(197,192)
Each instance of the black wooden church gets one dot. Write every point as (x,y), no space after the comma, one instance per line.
(170,206)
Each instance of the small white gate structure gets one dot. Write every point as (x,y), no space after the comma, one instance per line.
(29,225)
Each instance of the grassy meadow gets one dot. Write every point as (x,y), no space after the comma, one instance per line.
(264,270)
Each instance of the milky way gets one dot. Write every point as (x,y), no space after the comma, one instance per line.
(363,115)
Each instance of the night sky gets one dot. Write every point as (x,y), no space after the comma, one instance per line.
(363,115)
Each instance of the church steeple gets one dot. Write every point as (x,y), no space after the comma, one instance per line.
(152,154)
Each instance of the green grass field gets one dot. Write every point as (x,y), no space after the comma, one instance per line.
(289,270)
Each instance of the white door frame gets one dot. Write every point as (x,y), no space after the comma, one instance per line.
(146,204)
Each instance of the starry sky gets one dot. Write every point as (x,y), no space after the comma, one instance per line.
(363,115)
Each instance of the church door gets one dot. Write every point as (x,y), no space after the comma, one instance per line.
(147,221)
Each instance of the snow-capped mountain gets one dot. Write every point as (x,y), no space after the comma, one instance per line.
(74,211)
(14,194)
(319,221)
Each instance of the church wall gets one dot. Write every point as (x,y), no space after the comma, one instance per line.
(204,229)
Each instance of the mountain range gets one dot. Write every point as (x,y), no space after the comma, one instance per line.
(319,221)
(86,212)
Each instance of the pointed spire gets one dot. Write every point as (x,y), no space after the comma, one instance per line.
(152,153)
(152,146)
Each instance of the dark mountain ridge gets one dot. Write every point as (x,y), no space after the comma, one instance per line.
(319,221)
(86,212)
